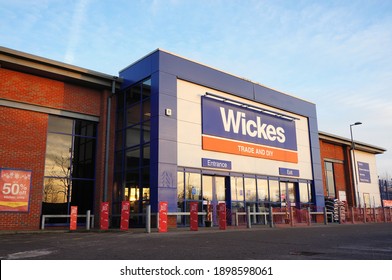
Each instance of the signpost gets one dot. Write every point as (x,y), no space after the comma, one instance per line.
(162,211)
(194,216)
(124,225)
(104,218)
(222,216)
(74,218)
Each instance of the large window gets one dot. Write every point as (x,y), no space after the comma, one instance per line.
(330,179)
(69,166)
(132,160)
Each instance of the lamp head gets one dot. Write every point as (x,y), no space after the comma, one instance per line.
(357,123)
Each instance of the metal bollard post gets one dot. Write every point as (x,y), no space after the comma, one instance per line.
(364,214)
(248,221)
(88,220)
(148,219)
(254,212)
(309,217)
(352,215)
(340,214)
(325,216)
(271,217)
(291,216)
(43,222)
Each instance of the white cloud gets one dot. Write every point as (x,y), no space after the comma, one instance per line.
(76,30)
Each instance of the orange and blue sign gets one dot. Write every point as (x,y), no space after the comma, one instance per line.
(235,129)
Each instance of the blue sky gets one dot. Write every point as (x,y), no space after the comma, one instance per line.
(336,54)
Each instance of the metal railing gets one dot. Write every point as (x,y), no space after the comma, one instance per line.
(88,216)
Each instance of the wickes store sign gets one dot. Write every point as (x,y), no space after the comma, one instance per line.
(234,129)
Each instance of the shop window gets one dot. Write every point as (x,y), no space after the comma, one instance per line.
(237,188)
(132,162)
(262,190)
(180,186)
(69,177)
(193,186)
(250,189)
(330,179)
(274,191)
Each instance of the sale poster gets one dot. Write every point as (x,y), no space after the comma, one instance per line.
(124,225)
(194,216)
(163,209)
(104,218)
(15,190)
(74,218)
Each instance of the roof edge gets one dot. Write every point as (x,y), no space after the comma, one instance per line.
(345,141)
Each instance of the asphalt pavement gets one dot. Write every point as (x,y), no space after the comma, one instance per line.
(319,242)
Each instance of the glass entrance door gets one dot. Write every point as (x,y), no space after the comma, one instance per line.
(213,194)
(288,193)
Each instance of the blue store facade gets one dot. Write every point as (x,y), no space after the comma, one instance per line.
(187,132)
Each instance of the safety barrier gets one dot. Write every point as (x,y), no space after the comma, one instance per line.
(89,219)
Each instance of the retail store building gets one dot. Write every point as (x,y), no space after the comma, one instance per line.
(350,171)
(167,129)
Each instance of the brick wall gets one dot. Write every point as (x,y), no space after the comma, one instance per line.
(23,133)
(22,146)
(340,155)
(49,93)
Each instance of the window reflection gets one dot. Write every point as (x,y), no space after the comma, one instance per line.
(274,191)
(237,188)
(193,186)
(250,189)
(304,193)
(133,145)
(69,166)
(262,190)
(60,125)
(58,155)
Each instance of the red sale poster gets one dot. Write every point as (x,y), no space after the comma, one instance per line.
(222,216)
(14,190)
(74,218)
(194,216)
(104,219)
(125,215)
(163,208)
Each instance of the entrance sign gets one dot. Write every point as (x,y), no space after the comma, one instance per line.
(14,190)
(125,215)
(104,217)
(74,218)
(162,224)
(222,216)
(216,163)
(194,216)
(234,129)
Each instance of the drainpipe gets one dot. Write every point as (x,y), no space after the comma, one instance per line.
(107,143)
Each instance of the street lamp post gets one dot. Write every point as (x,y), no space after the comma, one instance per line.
(356,187)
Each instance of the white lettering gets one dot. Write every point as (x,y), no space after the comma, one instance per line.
(236,121)
(230,121)
(213,163)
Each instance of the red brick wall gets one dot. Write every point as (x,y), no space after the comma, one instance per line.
(22,146)
(49,93)
(23,133)
(342,173)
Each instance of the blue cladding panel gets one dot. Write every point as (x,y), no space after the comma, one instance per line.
(206,76)
(139,70)
(165,68)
